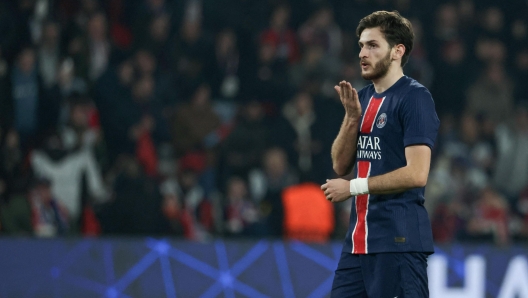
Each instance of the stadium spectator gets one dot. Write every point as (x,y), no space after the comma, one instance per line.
(67,169)
(176,216)
(452,69)
(49,54)
(194,125)
(224,71)
(281,35)
(112,97)
(136,205)
(99,46)
(267,81)
(490,218)
(320,30)
(157,41)
(198,216)
(78,131)
(511,171)
(26,91)
(521,73)
(14,173)
(191,54)
(37,213)
(266,185)
(492,94)
(241,214)
(302,136)
(243,149)
(314,70)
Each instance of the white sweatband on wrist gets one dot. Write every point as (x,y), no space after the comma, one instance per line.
(359,186)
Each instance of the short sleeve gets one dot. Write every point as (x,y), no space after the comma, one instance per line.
(419,119)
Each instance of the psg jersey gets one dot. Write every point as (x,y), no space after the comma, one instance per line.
(401,116)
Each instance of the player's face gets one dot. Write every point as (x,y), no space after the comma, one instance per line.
(375,54)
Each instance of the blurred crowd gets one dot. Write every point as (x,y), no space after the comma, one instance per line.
(215,118)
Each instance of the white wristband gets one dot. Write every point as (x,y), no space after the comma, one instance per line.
(359,186)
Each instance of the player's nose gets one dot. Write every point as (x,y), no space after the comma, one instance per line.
(362,53)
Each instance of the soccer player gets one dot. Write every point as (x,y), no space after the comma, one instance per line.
(385,141)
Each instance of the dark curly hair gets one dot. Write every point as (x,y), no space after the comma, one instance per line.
(395,28)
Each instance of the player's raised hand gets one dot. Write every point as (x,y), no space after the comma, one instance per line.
(349,99)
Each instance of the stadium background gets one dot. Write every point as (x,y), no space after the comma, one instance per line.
(170,148)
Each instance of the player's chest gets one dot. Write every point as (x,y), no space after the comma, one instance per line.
(380,117)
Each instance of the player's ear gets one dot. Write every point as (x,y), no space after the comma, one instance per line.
(399,51)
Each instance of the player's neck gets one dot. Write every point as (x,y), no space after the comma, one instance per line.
(393,75)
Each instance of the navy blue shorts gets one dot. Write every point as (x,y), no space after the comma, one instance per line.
(381,275)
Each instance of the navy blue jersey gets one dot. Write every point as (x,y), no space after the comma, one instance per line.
(401,116)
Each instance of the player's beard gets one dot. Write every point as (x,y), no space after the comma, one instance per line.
(380,69)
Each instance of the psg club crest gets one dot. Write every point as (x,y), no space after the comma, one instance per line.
(382,120)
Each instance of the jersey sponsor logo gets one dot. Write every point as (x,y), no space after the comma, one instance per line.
(369,143)
(371,112)
(368,147)
(369,154)
(382,120)
(360,233)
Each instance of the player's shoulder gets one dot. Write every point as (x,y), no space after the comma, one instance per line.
(416,97)
(366,90)
(415,88)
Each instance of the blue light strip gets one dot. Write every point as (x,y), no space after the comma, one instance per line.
(136,271)
(223,264)
(314,255)
(284,271)
(226,278)
(193,263)
(249,258)
(167,277)
(108,263)
(324,288)
(213,291)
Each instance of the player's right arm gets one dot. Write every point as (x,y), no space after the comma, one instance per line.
(345,144)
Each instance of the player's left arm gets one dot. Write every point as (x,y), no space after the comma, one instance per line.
(414,174)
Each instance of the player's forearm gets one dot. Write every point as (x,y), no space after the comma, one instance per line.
(397,181)
(345,146)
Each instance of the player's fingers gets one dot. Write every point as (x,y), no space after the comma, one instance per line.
(351,90)
(346,92)
(324,186)
(327,190)
(338,90)
(355,94)
(342,89)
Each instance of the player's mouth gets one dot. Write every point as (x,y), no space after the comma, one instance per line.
(364,65)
